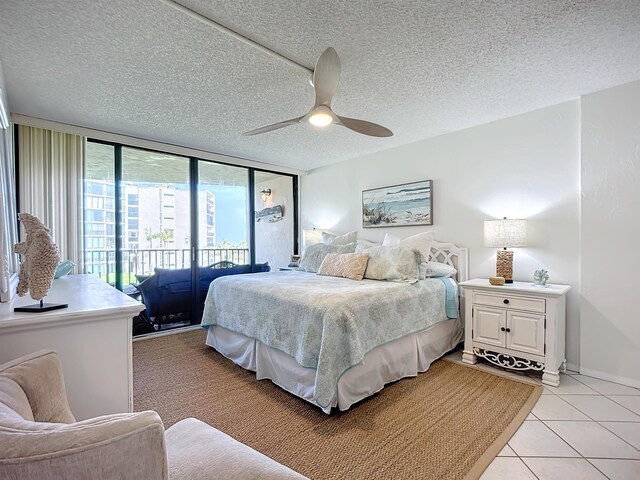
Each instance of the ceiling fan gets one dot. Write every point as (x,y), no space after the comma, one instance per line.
(326,75)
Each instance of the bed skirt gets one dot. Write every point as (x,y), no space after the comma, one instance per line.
(405,357)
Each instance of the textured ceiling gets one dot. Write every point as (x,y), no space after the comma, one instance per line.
(420,68)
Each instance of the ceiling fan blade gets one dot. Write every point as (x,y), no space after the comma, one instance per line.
(364,127)
(274,126)
(326,76)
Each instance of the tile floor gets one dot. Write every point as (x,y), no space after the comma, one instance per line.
(585,429)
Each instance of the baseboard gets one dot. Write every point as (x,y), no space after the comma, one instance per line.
(574,367)
(630,382)
(147,336)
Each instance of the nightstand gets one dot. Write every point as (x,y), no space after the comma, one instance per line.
(517,326)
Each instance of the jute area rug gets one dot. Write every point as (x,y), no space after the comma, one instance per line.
(447,423)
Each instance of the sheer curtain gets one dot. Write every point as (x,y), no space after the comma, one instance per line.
(8,220)
(50,176)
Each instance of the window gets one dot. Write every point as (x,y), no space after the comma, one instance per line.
(157,207)
(94,215)
(94,188)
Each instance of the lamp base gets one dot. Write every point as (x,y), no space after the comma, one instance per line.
(504,265)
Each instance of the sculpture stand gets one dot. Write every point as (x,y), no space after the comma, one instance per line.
(40,307)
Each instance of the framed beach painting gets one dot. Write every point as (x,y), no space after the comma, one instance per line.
(398,205)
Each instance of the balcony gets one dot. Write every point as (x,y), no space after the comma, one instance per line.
(142,262)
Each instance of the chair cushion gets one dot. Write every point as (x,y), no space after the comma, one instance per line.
(13,401)
(167,276)
(197,451)
(36,375)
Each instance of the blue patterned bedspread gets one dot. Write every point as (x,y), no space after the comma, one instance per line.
(325,323)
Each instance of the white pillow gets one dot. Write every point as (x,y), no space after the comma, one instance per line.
(367,243)
(347,238)
(435,269)
(421,242)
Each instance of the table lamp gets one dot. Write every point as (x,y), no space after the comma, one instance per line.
(311,236)
(505,234)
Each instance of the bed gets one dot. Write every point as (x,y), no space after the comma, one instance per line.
(334,341)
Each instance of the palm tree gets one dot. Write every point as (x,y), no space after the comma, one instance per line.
(149,235)
(165,236)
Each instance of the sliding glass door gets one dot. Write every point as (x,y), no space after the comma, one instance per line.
(223,209)
(155,213)
(156,224)
(100,212)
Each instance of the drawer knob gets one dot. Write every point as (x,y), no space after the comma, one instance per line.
(506,301)
(503,329)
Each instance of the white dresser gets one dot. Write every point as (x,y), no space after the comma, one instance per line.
(517,326)
(92,337)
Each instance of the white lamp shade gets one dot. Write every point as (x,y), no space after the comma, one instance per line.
(310,237)
(505,233)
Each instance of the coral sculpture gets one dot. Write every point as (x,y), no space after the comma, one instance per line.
(40,258)
(540,277)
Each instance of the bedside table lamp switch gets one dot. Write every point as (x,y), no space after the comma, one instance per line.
(505,234)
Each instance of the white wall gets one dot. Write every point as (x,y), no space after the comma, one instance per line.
(274,241)
(610,324)
(522,167)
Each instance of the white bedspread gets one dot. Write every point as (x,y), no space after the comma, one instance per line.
(325,323)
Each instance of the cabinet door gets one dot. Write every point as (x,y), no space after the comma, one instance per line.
(525,332)
(489,325)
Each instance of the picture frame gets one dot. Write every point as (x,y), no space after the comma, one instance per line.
(295,261)
(401,205)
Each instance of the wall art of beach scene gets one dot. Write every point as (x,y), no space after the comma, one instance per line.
(399,205)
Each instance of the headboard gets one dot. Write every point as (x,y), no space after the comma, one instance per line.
(452,255)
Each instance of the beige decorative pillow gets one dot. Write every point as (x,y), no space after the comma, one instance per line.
(347,265)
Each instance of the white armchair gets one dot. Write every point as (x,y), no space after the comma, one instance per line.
(40,438)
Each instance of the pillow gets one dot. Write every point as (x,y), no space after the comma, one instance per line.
(314,255)
(12,396)
(396,264)
(367,243)
(346,265)
(421,242)
(331,239)
(436,269)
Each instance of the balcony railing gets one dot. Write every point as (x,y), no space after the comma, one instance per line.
(143,261)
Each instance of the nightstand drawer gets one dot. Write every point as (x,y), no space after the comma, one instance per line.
(529,304)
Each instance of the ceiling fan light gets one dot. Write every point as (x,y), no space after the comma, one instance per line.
(320,119)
